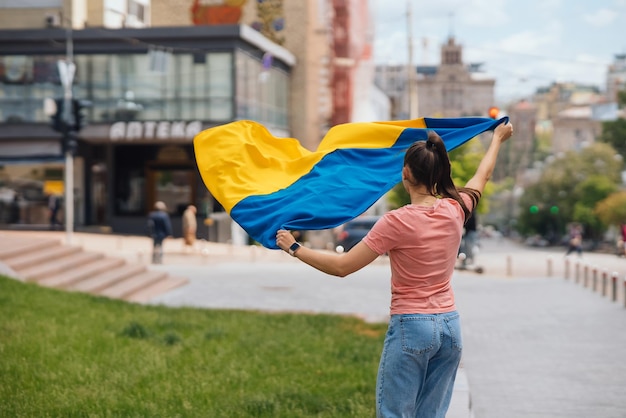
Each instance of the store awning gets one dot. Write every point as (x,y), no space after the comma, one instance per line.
(22,152)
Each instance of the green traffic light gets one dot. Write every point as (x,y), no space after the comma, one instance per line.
(554,210)
(534,209)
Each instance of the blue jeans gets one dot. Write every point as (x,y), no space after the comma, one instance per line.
(418,365)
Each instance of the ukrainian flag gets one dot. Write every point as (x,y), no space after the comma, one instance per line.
(267,183)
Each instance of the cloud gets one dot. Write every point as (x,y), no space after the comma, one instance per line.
(534,41)
(601,17)
(483,13)
(523,45)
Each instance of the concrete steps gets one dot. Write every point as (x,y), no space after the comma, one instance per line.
(50,263)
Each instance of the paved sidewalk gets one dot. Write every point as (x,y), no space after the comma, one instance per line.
(544,346)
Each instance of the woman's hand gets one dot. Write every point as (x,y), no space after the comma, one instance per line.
(284,239)
(503,132)
(487,164)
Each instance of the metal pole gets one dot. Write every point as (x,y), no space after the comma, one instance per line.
(69,158)
(410,69)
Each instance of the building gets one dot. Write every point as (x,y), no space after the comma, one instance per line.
(393,80)
(77,14)
(331,39)
(451,89)
(454,89)
(152,90)
(517,155)
(616,78)
(574,129)
(553,99)
(156,73)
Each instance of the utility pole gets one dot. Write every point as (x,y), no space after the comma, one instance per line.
(67,70)
(412,82)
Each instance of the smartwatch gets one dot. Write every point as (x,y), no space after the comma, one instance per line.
(294,247)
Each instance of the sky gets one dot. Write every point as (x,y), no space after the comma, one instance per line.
(523,44)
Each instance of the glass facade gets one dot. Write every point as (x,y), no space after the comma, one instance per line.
(118,176)
(262,93)
(122,87)
(153,86)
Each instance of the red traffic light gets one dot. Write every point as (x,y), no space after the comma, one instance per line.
(494,112)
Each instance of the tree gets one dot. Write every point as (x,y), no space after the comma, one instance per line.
(568,190)
(614,132)
(612,210)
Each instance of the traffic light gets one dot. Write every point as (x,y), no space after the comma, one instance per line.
(58,122)
(78,109)
(69,143)
(534,209)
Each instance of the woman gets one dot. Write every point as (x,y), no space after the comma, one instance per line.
(190,226)
(422,348)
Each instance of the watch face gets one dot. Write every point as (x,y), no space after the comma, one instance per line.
(294,246)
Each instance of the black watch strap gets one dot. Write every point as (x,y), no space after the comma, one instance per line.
(294,247)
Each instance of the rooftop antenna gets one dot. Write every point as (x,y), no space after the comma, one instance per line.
(451,23)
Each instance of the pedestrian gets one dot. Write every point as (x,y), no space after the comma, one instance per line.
(190,226)
(159,227)
(54,204)
(575,242)
(423,345)
(469,240)
(16,208)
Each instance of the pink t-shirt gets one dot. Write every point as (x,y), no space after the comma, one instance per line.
(422,243)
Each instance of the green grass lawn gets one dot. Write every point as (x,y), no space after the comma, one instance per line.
(74,355)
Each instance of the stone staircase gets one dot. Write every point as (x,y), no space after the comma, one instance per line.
(50,263)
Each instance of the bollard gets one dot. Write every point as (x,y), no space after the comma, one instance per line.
(509,266)
(566,268)
(550,266)
(605,278)
(614,286)
(585,275)
(577,271)
(594,285)
(205,253)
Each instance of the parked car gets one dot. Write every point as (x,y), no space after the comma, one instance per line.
(353,231)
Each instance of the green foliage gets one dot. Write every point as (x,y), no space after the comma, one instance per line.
(135,330)
(621,98)
(574,184)
(592,226)
(593,189)
(464,162)
(543,146)
(612,210)
(614,134)
(75,355)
